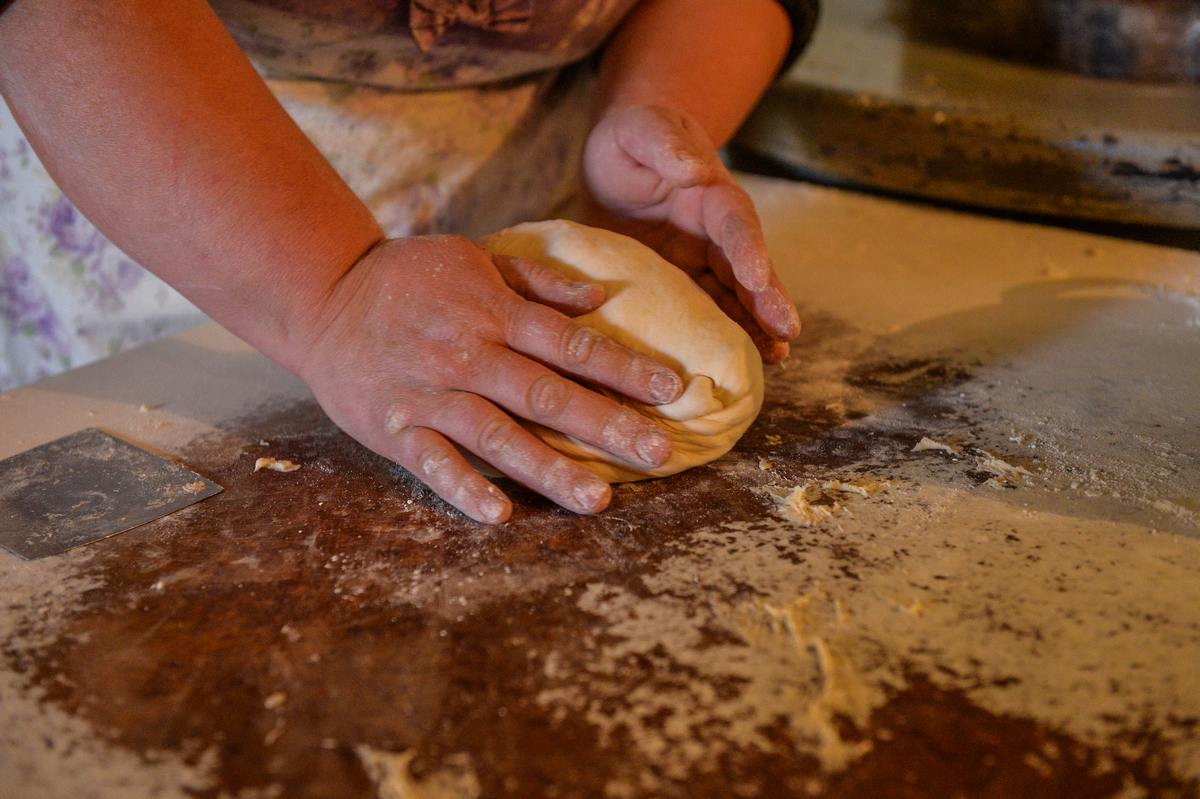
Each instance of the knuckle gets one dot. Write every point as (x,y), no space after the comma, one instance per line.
(423,456)
(735,227)
(449,333)
(547,397)
(534,274)
(578,345)
(397,418)
(432,462)
(497,435)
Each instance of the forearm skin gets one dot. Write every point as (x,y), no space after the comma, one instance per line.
(156,126)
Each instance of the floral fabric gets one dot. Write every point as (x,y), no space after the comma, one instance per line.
(67,295)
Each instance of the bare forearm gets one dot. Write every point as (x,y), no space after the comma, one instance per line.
(156,126)
(159,130)
(709,58)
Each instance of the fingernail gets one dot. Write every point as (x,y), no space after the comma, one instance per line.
(492,509)
(665,386)
(756,281)
(779,316)
(791,325)
(653,448)
(591,495)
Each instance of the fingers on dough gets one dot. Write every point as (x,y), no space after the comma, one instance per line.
(656,309)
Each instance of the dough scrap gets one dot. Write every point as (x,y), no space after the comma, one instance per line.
(275,465)
(654,308)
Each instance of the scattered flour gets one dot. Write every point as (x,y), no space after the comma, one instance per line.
(820,624)
(49,753)
(927,443)
(1175,509)
(798,505)
(1004,475)
(813,503)
(393,780)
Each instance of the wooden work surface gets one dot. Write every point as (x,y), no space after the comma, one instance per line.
(938,627)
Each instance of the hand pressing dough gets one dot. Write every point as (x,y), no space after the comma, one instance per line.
(656,309)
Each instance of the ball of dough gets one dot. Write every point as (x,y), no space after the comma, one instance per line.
(654,308)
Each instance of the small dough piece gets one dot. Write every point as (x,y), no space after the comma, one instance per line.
(275,465)
(655,308)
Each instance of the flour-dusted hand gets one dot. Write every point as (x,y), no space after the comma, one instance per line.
(432,340)
(652,173)
(161,132)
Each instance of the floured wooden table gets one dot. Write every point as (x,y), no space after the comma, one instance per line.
(957,555)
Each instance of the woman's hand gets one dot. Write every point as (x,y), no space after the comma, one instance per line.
(428,342)
(163,134)
(652,173)
(676,81)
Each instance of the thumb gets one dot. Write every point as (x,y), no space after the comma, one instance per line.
(543,285)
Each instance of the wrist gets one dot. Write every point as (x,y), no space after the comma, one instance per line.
(282,306)
(652,59)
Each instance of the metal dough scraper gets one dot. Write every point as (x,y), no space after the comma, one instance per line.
(84,487)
